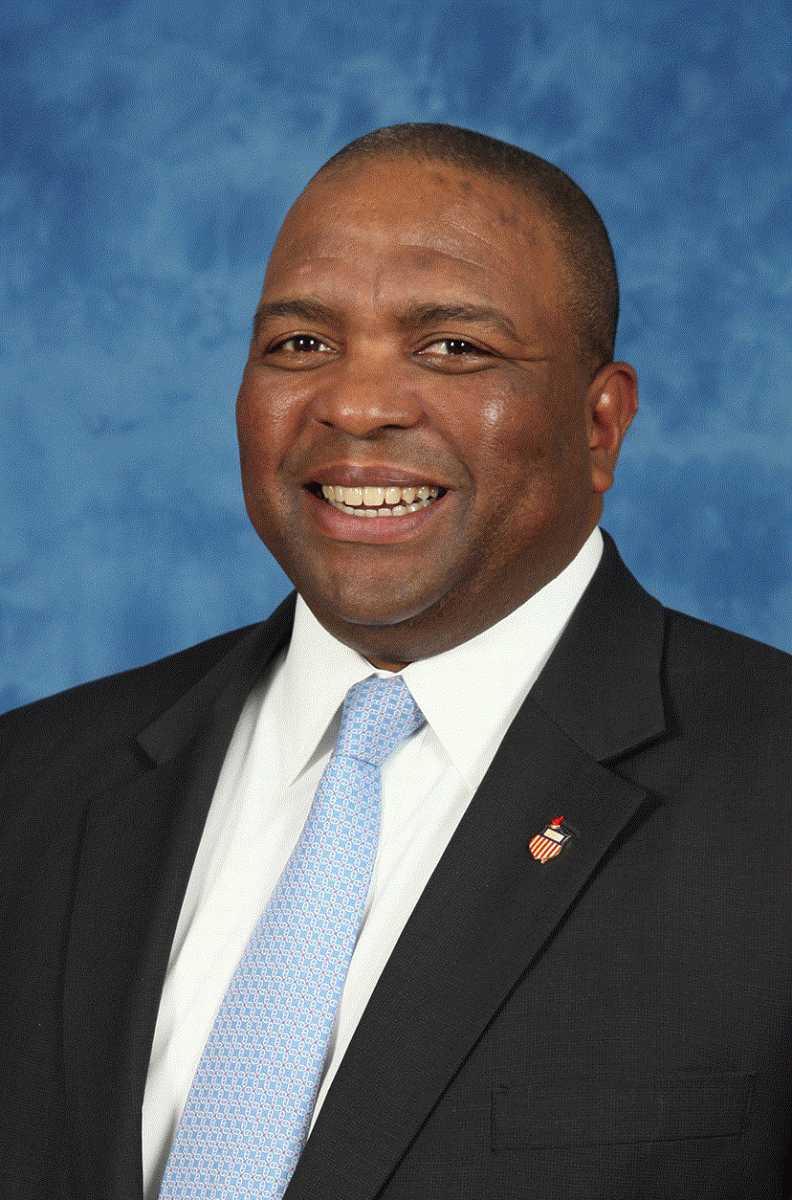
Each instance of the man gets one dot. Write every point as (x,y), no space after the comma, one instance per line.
(572,974)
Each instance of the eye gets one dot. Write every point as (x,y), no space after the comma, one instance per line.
(454,355)
(448,346)
(299,343)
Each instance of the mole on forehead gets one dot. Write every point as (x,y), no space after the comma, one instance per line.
(511,208)
(440,174)
(424,260)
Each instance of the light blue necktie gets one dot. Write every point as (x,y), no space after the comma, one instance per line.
(251,1100)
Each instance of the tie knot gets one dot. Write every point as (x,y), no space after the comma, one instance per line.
(378,715)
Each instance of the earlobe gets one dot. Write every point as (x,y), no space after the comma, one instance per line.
(612,403)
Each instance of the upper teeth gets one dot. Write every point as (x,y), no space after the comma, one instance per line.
(379,501)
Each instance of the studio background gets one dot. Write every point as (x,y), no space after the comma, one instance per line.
(151,150)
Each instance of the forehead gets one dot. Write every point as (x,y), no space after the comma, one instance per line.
(423,224)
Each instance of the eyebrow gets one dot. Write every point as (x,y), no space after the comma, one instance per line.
(414,317)
(304,310)
(418,316)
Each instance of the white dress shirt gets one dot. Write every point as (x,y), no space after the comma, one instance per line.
(284,737)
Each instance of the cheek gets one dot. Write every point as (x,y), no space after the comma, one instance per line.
(252,443)
(264,422)
(509,442)
(259,456)
(529,468)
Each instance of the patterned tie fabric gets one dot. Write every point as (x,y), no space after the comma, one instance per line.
(250,1105)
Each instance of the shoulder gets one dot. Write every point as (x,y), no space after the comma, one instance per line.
(93,718)
(138,690)
(751,677)
(728,714)
(695,656)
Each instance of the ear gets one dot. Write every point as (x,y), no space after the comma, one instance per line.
(612,401)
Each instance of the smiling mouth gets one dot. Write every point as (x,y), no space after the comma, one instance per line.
(391,501)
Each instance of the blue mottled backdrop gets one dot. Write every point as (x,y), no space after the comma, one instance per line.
(150,152)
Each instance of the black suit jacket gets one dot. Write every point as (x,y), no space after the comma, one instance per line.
(612,1024)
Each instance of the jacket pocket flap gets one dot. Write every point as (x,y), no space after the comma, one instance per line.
(602,1109)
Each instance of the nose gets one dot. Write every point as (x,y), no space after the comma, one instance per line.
(367,393)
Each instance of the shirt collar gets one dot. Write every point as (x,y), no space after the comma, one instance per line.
(317,674)
(469,695)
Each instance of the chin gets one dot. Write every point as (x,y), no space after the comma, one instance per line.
(367,601)
(368,616)
(392,636)
(367,625)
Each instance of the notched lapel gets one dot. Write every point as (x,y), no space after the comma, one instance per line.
(602,682)
(140,841)
(490,908)
(138,849)
(127,844)
(485,916)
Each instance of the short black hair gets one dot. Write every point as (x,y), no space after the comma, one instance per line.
(592,299)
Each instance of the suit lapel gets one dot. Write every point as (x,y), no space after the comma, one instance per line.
(490,908)
(139,845)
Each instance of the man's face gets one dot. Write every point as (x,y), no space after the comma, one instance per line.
(412,361)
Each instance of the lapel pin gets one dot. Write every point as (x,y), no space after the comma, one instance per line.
(549,842)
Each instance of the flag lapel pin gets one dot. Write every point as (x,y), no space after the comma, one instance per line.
(550,841)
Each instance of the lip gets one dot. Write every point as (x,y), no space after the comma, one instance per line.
(345,474)
(341,527)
